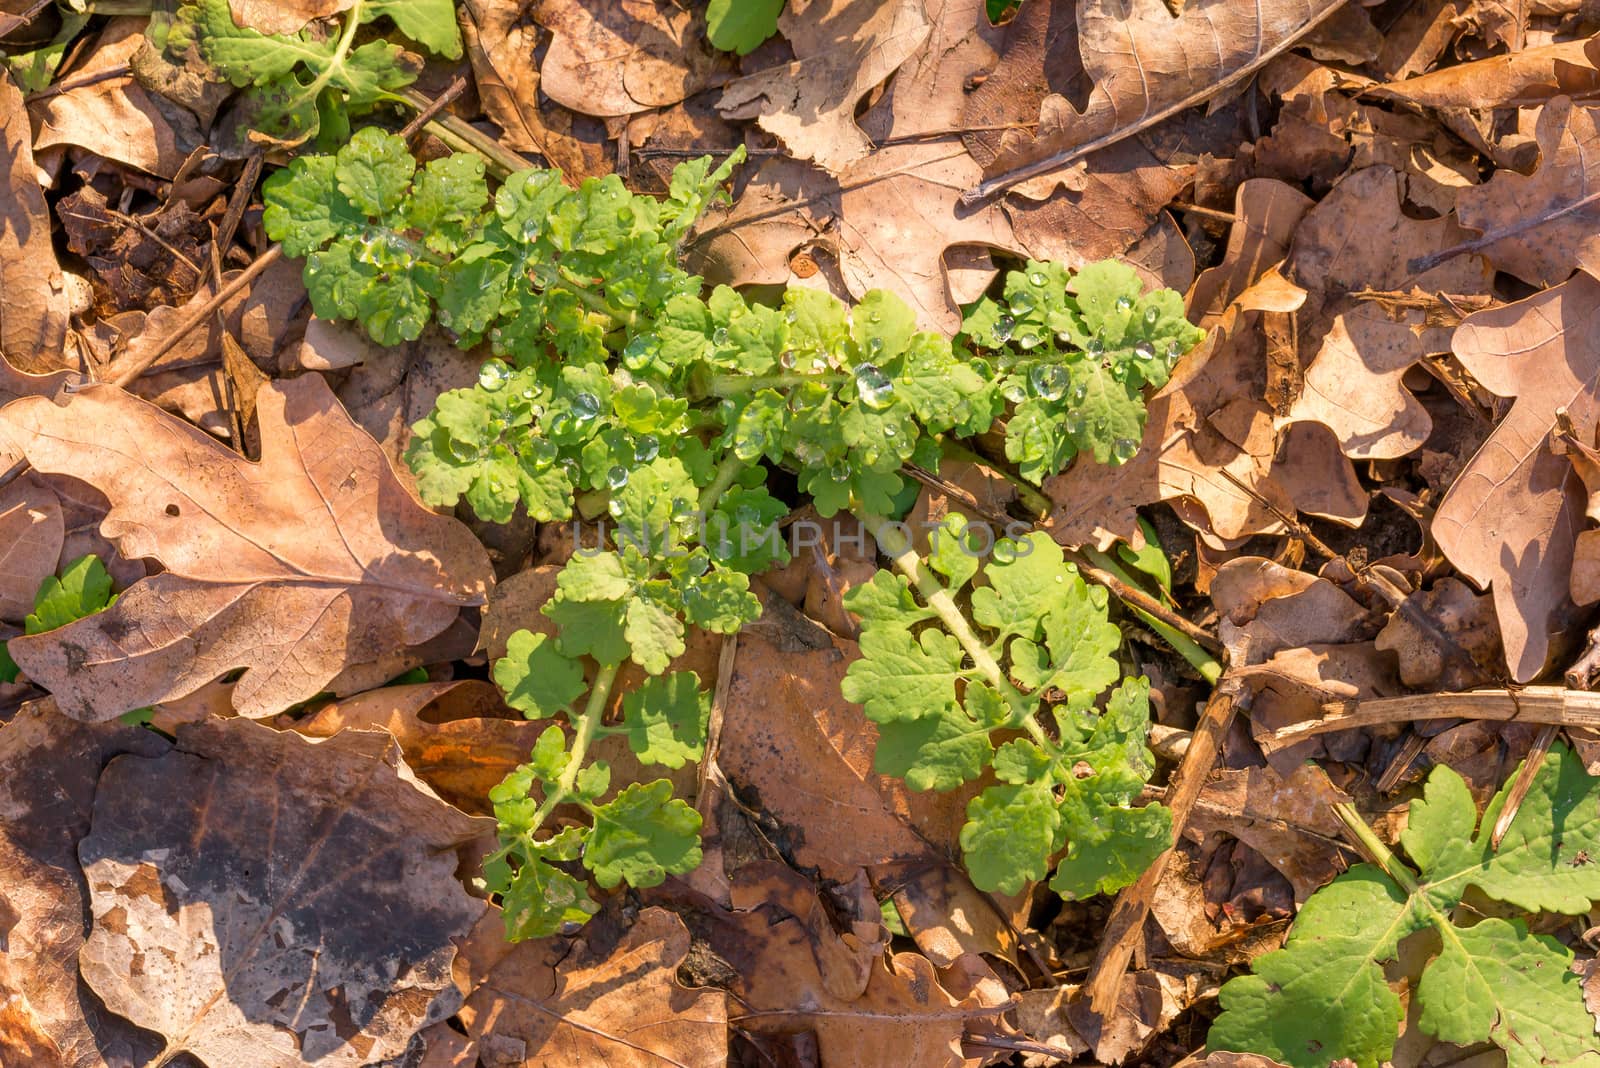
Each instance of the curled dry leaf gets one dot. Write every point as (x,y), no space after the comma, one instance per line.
(294,568)
(1288,819)
(107,112)
(49,766)
(1145,64)
(1521,79)
(313,924)
(619,57)
(1511,519)
(547,1006)
(33,315)
(843,49)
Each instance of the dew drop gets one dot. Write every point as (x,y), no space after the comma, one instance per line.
(1096,347)
(875,346)
(1013,392)
(719,336)
(840,471)
(585,407)
(647,448)
(1029,341)
(1124,449)
(697,566)
(1151,315)
(1145,351)
(1003,328)
(528,394)
(890,432)
(874,386)
(617,477)
(1037,278)
(1174,350)
(786,359)
(1080,393)
(1074,424)
(1048,380)
(542,454)
(1124,303)
(614,506)
(493,375)
(1022,301)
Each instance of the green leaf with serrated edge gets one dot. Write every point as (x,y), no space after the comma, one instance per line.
(902,676)
(1009,835)
(430,23)
(538,899)
(538,681)
(882,325)
(1133,839)
(590,628)
(643,835)
(1322,996)
(886,598)
(742,25)
(374,171)
(1027,579)
(304,208)
(654,633)
(719,601)
(954,549)
(665,719)
(83,589)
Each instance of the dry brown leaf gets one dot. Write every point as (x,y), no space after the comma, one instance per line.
(1512,518)
(843,49)
(294,568)
(546,1006)
(1144,64)
(1288,819)
(794,973)
(1519,79)
(283,16)
(49,766)
(619,57)
(116,118)
(266,899)
(33,313)
(1541,226)
(1362,348)
(1469,621)
(31,534)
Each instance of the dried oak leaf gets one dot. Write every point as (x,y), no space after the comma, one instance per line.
(550,1005)
(619,57)
(794,972)
(49,766)
(1541,226)
(1521,79)
(293,568)
(265,899)
(31,535)
(843,50)
(1357,239)
(33,315)
(1511,520)
(1145,64)
(891,215)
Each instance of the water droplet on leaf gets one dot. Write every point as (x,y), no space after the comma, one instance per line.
(617,477)
(1144,350)
(493,375)
(1152,315)
(719,336)
(585,407)
(1049,380)
(1124,303)
(1124,449)
(1003,327)
(874,386)
(1036,278)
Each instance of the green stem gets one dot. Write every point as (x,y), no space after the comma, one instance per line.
(727,471)
(347,40)
(1036,503)
(936,597)
(1203,662)
(734,385)
(588,726)
(592,300)
(1374,847)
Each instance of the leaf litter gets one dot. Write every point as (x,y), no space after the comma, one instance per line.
(1371,483)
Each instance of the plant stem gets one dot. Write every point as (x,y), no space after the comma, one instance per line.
(727,471)
(1373,847)
(734,385)
(588,726)
(463,136)
(936,597)
(1203,662)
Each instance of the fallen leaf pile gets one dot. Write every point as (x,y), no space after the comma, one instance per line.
(244,808)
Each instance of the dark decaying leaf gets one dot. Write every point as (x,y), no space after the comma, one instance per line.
(265,899)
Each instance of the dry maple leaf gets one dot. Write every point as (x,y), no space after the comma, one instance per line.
(265,899)
(294,568)
(49,766)
(1511,519)
(33,314)
(624,1008)
(843,50)
(1146,65)
(1541,226)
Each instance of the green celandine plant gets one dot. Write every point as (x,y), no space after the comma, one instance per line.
(956,672)
(312,82)
(620,389)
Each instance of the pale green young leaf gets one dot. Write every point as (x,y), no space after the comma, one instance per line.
(83,589)
(742,25)
(1008,838)
(538,681)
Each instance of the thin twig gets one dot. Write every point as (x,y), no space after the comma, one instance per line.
(1523,782)
(429,113)
(710,771)
(122,70)
(1123,926)
(11,23)
(123,373)
(1553,705)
